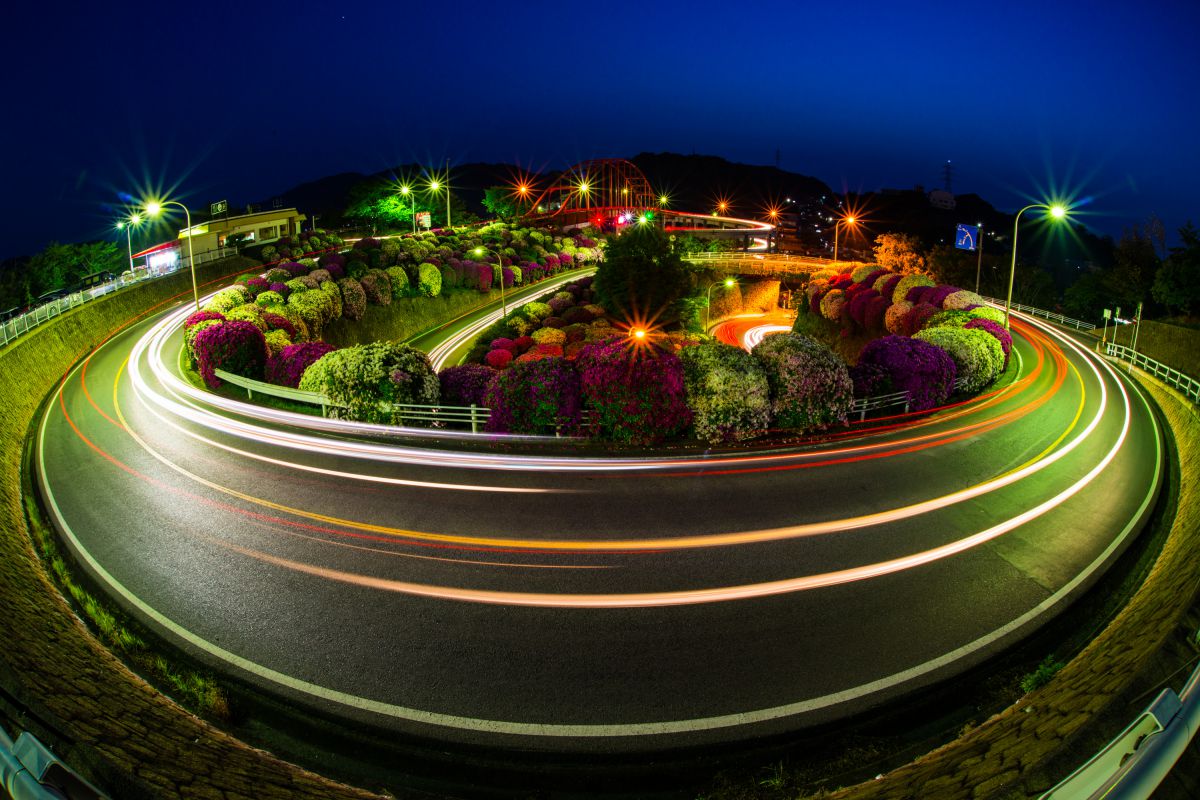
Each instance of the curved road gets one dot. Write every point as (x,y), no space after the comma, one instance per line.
(602,604)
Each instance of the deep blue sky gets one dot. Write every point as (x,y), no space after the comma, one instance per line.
(243,100)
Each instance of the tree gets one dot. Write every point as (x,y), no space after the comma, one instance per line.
(899,253)
(641,275)
(1132,275)
(504,203)
(1177,282)
(61,266)
(381,203)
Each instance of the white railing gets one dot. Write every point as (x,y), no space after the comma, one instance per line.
(1168,375)
(1077,324)
(18,326)
(864,404)
(438,416)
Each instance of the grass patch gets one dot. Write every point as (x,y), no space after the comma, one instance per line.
(1042,675)
(196,691)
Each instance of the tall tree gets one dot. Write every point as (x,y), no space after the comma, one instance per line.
(1132,275)
(641,276)
(899,253)
(504,203)
(1177,282)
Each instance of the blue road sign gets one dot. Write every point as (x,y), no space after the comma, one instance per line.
(966,237)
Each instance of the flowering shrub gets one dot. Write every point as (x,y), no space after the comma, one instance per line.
(923,370)
(858,304)
(498,359)
(977,354)
(293,269)
(810,386)
(429,280)
(540,351)
(202,316)
(536,311)
(886,285)
(635,392)
(727,392)
(354,299)
(523,343)
(376,287)
(316,308)
(997,330)
(236,346)
(275,341)
(227,298)
(549,336)
(465,385)
(257,286)
(961,300)
(504,344)
(335,296)
(362,379)
(907,282)
(870,380)
(320,276)
(560,304)
(948,319)
(483,277)
(895,318)
(987,312)
(278,322)
(917,317)
(938,296)
(287,367)
(535,395)
(399,280)
(192,331)
(277,275)
(248,312)
(866,273)
(832,304)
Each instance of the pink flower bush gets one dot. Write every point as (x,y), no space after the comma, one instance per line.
(635,392)
(235,346)
(810,386)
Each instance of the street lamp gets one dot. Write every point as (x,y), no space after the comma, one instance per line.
(128,224)
(850,220)
(434,186)
(979,255)
(503,302)
(153,208)
(407,190)
(1056,211)
(729,282)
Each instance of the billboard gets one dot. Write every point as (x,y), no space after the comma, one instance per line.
(966,237)
(424,220)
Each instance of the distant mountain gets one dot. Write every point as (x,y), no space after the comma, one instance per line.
(698,183)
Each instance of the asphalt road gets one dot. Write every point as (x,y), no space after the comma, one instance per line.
(608,604)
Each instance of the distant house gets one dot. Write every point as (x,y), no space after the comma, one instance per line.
(221,232)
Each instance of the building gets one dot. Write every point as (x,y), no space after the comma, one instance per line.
(220,237)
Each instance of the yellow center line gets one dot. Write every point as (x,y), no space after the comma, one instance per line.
(1064,434)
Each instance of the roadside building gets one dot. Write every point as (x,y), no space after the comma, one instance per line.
(219,237)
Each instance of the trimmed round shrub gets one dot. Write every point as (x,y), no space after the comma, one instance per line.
(635,392)
(997,330)
(549,336)
(553,322)
(275,340)
(234,346)
(726,391)
(429,280)
(504,343)
(320,276)
(257,286)
(939,294)
(575,333)
(810,385)
(988,312)
(228,298)
(377,287)
(917,317)
(537,396)
(277,275)
(354,299)
(278,322)
(331,289)
(465,385)
(192,331)
(923,370)
(202,316)
(269,298)
(866,274)
(949,319)
(536,311)
(293,269)
(977,354)
(287,367)
(498,359)
(360,381)
(560,304)
(961,300)
(577,315)
(832,304)
(523,343)
(907,282)
(895,317)
(248,312)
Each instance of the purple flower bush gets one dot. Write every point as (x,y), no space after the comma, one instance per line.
(536,396)
(202,316)
(977,354)
(726,391)
(466,384)
(810,385)
(293,269)
(923,370)
(257,286)
(354,299)
(377,288)
(635,392)
(916,318)
(287,367)
(235,346)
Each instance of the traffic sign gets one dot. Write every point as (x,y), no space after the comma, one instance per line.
(966,237)
(219,207)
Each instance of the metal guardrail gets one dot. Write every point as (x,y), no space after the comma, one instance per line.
(864,404)
(473,415)
(1168,375)
(1053,316)
(1132,765)
(21,325)
(30,771)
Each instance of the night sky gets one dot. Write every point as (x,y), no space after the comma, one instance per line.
(219,100)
